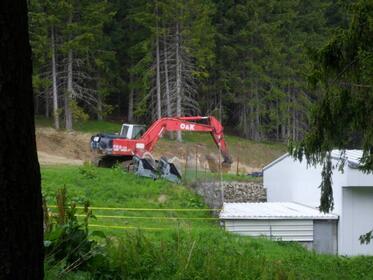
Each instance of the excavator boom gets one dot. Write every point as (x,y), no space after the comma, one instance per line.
(120,148)
(212,125)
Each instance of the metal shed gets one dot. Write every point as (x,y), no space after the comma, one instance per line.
(285,221)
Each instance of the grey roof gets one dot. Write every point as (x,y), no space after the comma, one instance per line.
(352,158)
(272,210)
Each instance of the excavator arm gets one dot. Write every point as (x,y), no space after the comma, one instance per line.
(109,149)
(211,125)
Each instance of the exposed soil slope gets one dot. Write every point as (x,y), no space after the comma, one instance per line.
(62,147)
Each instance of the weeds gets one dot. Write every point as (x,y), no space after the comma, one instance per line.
(68,244)
(88,171)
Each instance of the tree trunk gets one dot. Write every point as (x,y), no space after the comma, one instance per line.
(289,111)
(69,91)
(99,107)
(178,80)
(21,216)
(244,121)
(36,104)
(257,114)
(158,74)
(278,119)
(252,123)
(54,81)
(130,100)
(167,82)
(46,100)
(293,114)
(220,107)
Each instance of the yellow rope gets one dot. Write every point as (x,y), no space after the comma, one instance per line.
(143,209)
(126,227)
(153,218)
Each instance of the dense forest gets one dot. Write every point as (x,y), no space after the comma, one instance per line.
(246,62)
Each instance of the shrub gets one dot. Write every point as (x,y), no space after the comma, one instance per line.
(69,246)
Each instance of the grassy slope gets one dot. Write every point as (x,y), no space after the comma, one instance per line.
(114,188)
(186,249)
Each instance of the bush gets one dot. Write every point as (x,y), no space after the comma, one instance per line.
(68,244)
(88,170)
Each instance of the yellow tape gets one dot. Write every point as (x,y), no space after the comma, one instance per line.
(152,218)
(144,209)
(127,227)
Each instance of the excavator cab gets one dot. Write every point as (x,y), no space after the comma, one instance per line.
(132,131)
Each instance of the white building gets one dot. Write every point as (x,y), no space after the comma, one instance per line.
(283,221)
(288,180)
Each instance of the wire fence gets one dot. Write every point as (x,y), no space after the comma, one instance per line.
(151,219)
(198,166)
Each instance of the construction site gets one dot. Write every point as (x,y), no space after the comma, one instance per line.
(73,148)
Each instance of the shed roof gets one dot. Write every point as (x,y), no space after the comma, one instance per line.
(272,210)
(352,158)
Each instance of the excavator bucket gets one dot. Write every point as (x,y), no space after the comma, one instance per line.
(143,167)
(168,171)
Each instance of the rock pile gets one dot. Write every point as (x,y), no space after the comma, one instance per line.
(233,192)
(244,192)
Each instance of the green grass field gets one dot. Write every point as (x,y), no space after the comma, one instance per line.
(112,188)
(182,247)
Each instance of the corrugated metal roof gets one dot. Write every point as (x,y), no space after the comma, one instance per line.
(352,158)
(272,210)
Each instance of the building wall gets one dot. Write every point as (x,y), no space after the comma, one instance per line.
(356,219)
(282,181)
(325,235)
(291,180)
(276,229)
(358,179)
(318,235)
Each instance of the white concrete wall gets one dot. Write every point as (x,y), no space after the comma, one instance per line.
(291,180)
(357,178)
(356,219)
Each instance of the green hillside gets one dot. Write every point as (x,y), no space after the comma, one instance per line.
(175,244)
(112,188)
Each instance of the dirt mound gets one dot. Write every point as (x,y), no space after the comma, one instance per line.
(49,159)
(62,147)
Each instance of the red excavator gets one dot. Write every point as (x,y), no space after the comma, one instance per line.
(133,145)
